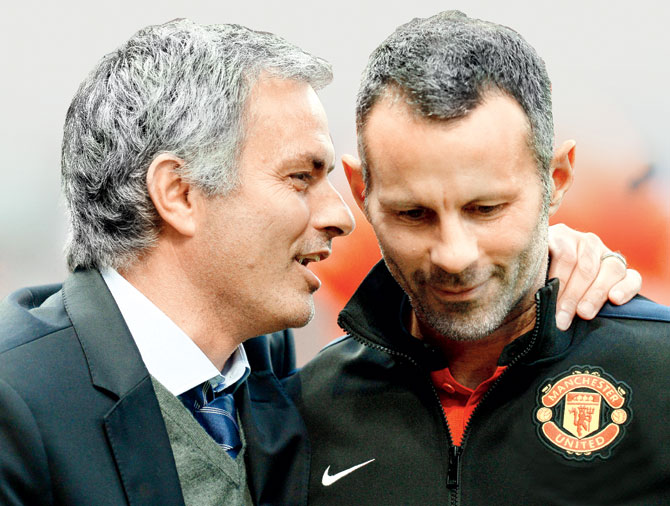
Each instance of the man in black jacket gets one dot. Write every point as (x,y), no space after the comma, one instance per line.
(455,383)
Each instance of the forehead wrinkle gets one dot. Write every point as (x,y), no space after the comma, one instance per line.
(400,195)
(313,160)
(400,203)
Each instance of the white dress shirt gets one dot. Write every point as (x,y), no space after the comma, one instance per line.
(168,353)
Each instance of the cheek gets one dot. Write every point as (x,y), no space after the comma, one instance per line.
(511,235)
(407,248)
(286,218)
(299,210)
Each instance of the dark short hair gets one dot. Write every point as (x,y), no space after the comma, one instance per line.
(444,66)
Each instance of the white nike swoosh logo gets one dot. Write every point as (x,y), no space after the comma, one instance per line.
(327,480)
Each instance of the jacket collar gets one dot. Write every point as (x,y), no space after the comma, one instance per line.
(109,347)
(549,341)
(372,314)
(107,343)
(134,426)
(116,366)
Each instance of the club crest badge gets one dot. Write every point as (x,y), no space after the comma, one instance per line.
(582,413)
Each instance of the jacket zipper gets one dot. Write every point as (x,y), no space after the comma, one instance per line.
(455,452)
(454,464)
(487,394)
(443,417)
(536,332)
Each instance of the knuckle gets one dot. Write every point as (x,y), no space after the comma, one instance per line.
(560,227)
(593,240)
(568,256)
(555,245)
(615,266)
(591,249)
(587,268)
(568,304)
(597,295)
(559,240)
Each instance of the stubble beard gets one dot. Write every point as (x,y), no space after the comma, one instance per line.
(474,320)
(305,318)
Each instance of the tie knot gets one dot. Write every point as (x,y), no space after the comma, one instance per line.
(215,412)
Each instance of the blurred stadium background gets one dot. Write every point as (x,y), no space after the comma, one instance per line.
(608,61)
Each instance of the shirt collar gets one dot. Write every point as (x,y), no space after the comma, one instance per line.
(168,353)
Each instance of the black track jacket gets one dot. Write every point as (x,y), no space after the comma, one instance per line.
(578,417)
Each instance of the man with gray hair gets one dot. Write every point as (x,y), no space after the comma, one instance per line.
(195,163)
(455,383)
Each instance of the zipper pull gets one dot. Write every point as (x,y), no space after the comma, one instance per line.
(454,470)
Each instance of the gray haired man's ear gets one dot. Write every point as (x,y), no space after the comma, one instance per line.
(173,197)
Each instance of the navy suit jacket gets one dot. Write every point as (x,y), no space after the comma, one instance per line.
(79,420)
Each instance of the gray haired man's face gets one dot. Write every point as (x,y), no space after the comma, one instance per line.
(259,239)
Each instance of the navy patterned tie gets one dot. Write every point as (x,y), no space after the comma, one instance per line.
(216,413)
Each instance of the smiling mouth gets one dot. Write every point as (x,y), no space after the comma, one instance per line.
(305,259)
(456,290)
(458,293)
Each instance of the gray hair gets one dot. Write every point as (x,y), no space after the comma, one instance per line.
(177,88)
(444,66)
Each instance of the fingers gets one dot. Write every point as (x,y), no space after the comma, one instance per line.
(612,274)
(586,282)
(625,290)
(563,251)
(575,261)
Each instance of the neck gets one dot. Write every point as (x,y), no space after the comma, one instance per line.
(473,362)
(169,288)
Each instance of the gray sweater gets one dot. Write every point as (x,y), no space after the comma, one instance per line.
(207,474)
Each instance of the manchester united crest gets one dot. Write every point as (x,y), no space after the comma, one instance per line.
(582,414)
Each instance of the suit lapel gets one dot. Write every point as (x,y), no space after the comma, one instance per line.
(138,438)
(134,426)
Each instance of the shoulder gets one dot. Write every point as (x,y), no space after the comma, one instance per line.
(633,335)
(336,341)
(340,349)
(639,308)
(325,366)
(641,322)
(38,340)
(31,313)
(342,362)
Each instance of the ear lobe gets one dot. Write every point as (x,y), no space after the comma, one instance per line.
(354,173)
(562,173)
(171,194)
